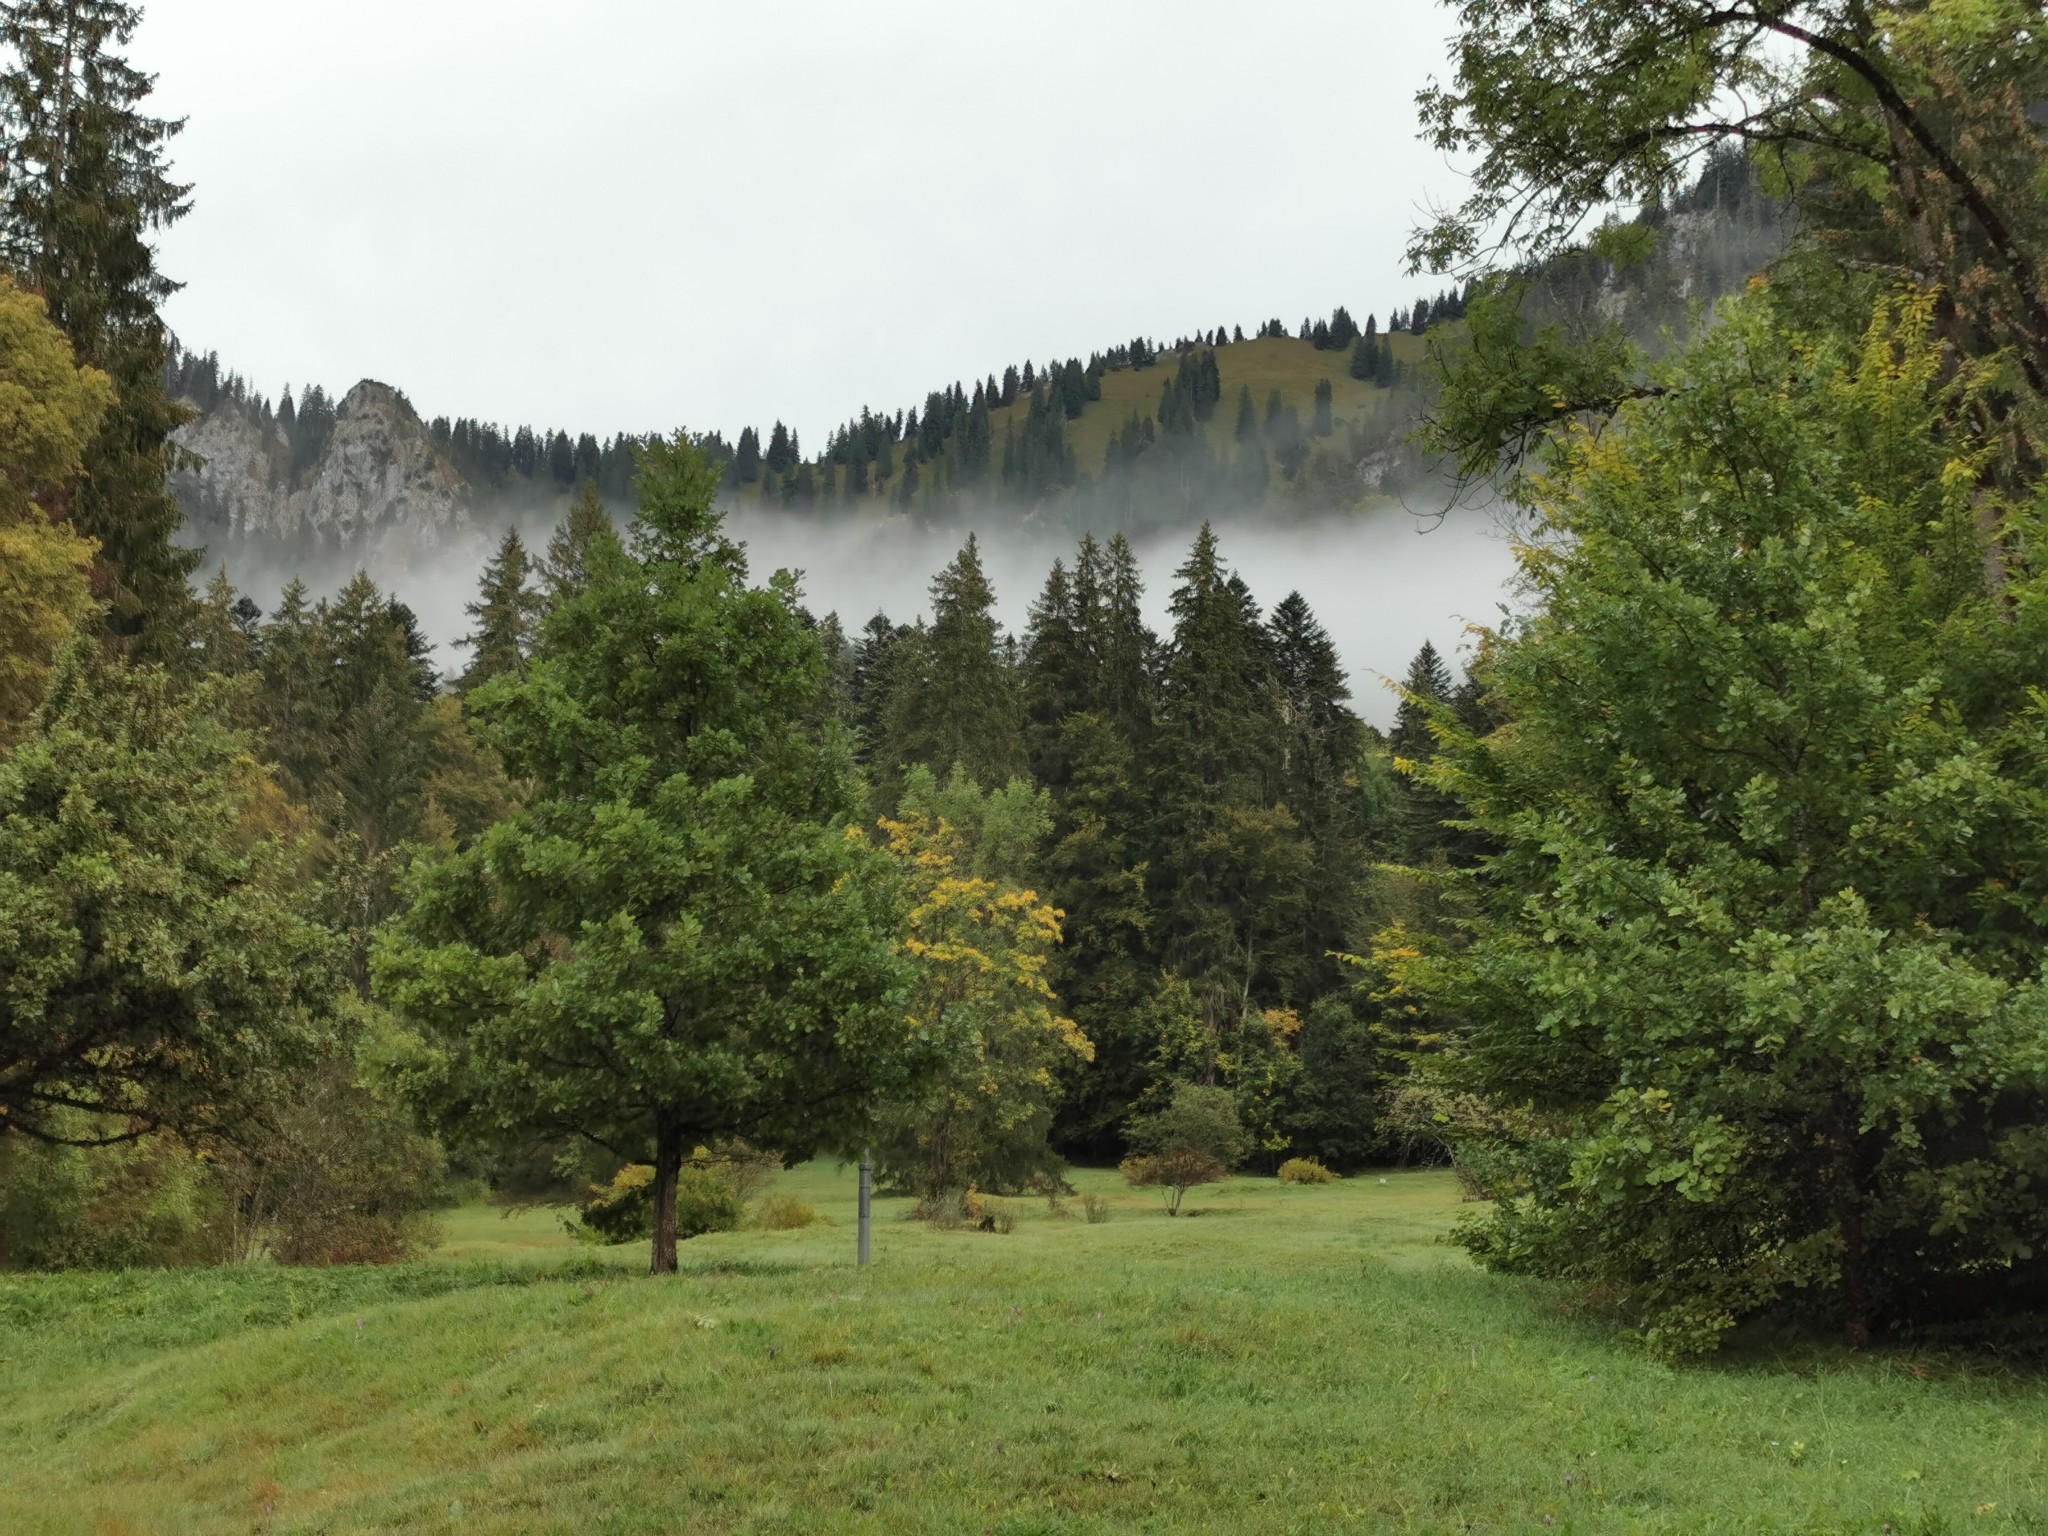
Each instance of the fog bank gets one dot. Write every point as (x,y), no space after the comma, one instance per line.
(1382,581)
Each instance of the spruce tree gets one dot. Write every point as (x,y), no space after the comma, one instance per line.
(746,460)
(565,571)
(1427,683)
(507,614)
(870,680)
(1426,691)
(1227,861)
(1105,966)
(953,702)
(83,187)
(1321,741)
(1123,644)
(1056,678)
(297,706)
(225,629)
(1247,418)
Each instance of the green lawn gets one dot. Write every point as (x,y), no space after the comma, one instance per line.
(1289,1360)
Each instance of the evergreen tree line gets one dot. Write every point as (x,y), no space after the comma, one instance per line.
(1215,817)
(489,456)
(926,457)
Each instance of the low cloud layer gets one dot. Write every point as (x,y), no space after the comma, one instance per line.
(1381,582)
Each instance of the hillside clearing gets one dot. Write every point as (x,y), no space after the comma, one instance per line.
(1291,1359)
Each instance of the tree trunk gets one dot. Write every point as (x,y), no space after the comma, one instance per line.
(1849,1217)
(668,1164)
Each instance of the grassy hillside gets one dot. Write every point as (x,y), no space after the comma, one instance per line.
(1291,1360)
(1284,363)
(1368,421)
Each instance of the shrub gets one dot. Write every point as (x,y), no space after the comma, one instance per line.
(1095,1208)
(1175,1173)
(706,1201)
(144,1203)
(331,1173)
(1195,1139)
(748,1171)
(781,1213)
(623,1210)
(620,1211)
(1054,1186)
(1305,1170)
(999,1218)
(945,1210)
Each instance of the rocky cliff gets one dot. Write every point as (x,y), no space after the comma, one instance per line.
(378,483)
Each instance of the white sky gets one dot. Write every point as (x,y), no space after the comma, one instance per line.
(639,215)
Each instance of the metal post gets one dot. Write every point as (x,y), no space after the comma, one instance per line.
(867,1188)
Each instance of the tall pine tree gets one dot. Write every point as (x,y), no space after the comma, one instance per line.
(1426,689)
(953,701)
(84,185)
(1321,740)
(565,571)
(1228,862)
(507,613)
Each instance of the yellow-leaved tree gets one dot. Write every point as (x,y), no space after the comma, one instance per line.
(981,944)
(50,408)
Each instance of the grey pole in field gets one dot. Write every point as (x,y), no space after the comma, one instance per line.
(867,1190)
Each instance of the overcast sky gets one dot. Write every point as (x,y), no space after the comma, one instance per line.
(635,214)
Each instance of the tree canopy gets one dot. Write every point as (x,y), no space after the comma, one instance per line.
(1759,950)
(681,937)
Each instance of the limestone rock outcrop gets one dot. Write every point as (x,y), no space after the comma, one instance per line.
(379,482)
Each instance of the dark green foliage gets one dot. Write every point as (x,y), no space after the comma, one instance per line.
(1058,674)
(676,941)
(507,614)
(871,677)
(1332,1107)
(563,572)
(1037,460)
(85,189)
(952,699)
(1427,695)
(746,464)
(1757,992)
(1228,865)
(157,955)
(1189,398)
(1322,742)
(1095,873)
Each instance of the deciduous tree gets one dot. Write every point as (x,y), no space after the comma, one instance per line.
(682,938)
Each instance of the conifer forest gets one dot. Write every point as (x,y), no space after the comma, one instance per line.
(680,1055)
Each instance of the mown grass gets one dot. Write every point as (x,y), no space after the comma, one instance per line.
(1293,1359)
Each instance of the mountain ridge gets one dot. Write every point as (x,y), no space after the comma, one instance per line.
(1279,424)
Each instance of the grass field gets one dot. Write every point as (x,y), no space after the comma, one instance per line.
(1289,1360)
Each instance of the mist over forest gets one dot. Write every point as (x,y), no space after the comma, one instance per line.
(1382,581)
